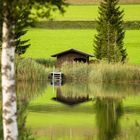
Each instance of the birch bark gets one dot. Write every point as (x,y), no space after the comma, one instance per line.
(8,81)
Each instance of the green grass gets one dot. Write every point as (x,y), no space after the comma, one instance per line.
(90,12)
(46,42)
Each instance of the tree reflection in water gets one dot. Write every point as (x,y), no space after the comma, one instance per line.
(108,113)
(26,91)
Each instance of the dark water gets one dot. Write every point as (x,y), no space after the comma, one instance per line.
(79,111)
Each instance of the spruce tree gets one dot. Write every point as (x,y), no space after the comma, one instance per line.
(108,43)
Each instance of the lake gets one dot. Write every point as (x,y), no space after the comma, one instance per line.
(79,111)
(85,112)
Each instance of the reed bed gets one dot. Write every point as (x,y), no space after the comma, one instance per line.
(101,72)
(29,70)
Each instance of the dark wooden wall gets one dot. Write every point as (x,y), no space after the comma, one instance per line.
(70,58)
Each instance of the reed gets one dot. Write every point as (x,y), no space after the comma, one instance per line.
(101,72)
(29,70)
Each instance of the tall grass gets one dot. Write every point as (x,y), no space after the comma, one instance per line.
(101,72)
(29,70)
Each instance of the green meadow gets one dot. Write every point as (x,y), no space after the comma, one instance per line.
(45,42)
(90,12)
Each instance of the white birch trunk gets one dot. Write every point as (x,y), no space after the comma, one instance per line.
(8,80)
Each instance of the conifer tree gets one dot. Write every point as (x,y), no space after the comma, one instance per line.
(108,43)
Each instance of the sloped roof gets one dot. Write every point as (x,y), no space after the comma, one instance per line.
(72,50)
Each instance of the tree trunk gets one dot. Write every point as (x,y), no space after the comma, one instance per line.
(8,80)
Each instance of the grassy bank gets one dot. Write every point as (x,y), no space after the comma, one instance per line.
(46,42)
(102,73)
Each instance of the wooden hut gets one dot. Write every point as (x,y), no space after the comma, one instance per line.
(72,55)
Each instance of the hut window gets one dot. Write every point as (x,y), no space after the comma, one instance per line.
(80,60)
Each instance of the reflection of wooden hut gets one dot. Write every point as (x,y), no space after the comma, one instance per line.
(70,99)
(72,55)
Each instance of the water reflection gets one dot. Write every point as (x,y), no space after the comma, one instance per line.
(26,91)
(70,98)
(107,104)
(93,90)
(30,90)
(96,111)
(108,113)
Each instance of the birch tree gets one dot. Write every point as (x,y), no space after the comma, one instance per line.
(8,73)
(9,107)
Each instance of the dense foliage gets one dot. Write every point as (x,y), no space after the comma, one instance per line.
(24,14)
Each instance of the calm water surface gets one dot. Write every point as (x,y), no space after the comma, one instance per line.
(85,112)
